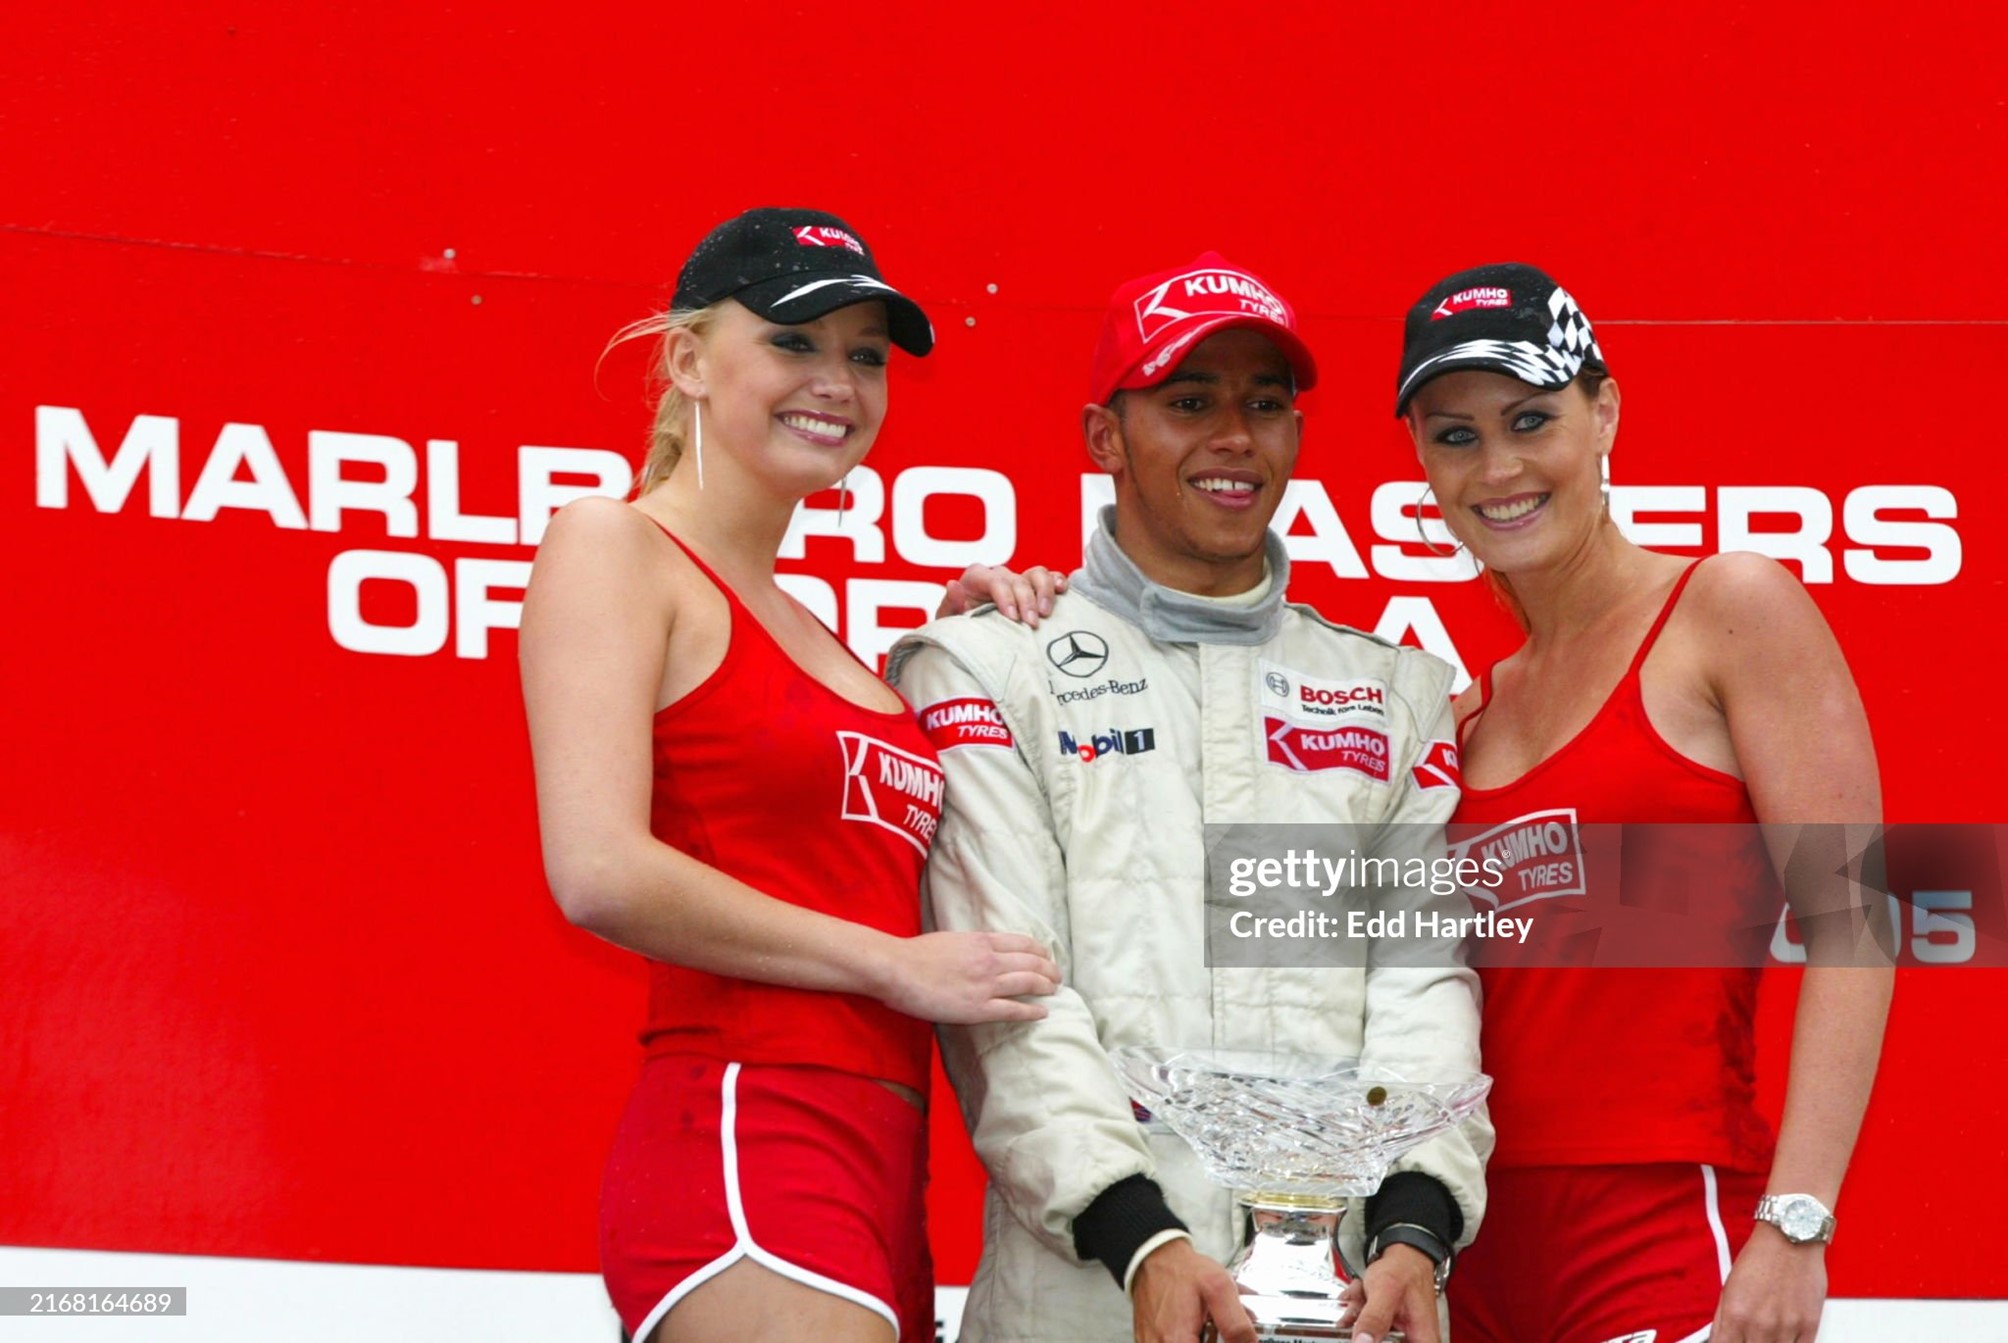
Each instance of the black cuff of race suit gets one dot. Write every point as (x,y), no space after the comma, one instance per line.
(1418,1199)
(1122,1217)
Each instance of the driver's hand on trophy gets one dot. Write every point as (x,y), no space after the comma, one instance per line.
(1021,597)
(1400,1292)
(1350,1301)
(1175,1292)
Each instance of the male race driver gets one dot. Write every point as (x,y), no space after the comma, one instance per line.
(1167,691)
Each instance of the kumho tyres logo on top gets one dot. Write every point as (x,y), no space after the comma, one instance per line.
(888,787)
(1540,853)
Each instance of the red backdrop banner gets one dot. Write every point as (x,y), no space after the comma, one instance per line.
(305,310)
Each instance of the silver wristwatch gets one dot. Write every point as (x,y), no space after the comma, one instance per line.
(1802,1218)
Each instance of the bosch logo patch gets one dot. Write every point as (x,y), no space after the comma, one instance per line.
(1366,693)
(1465,300)
(1311,701)
(1093,746)
(1206,293)
(1080,654)
(965,722)
(818,235)
(891,788)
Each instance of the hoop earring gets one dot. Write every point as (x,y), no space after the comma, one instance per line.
(697,438)
(1423,536)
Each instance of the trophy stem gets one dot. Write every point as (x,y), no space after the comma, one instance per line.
(1290,1273)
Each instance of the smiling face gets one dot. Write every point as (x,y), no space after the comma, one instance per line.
(1200,461)
(797,406)
(1517,469)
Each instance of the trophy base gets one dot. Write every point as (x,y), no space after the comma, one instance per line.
(1283,1320)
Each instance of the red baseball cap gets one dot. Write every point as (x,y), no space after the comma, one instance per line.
(1152,321)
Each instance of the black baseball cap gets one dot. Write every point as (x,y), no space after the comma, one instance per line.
(1508,318)
(795,266)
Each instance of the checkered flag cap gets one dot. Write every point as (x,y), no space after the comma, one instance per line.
(1509,318)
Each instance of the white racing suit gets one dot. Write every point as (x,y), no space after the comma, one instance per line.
(1082,760)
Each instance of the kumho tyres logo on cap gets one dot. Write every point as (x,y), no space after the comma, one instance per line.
(1080,654)
(822,235)
(1464,300)
(1212,292)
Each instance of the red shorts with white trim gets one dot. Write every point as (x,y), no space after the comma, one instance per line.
(1601,1254)
(816,1175)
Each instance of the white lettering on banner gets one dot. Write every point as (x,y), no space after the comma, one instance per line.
(239,447)
(866,599)
(857,521)
(444,520)
(1805,545)
(475,612)
(1328,542)
(1940,930)
(330,493)
(1861,518)
(152,443)
(1397,506)
(1404,616)
(1891,535)
(539,494)
(464,607)
(424,575)
(992,489)
(1628,501)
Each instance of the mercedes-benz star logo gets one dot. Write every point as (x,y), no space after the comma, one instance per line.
(1078,654)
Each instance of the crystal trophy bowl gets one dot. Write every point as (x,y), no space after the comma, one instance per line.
(1294,1136)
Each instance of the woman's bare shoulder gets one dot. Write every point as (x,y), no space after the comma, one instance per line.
(601,555)
(1738,594)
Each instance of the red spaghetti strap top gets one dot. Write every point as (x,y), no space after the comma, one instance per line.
(772,777)
(1613,1066)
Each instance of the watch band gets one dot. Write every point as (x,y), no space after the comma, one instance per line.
(1416,1236)
(1779,1209)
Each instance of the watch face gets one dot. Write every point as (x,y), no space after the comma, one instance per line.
(1801,1218)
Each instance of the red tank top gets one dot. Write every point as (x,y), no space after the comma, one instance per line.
(767,774)
(1598,1066)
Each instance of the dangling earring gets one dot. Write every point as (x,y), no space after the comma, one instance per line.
(1604,465)
(697,438)
(1423,536)
(843,499)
